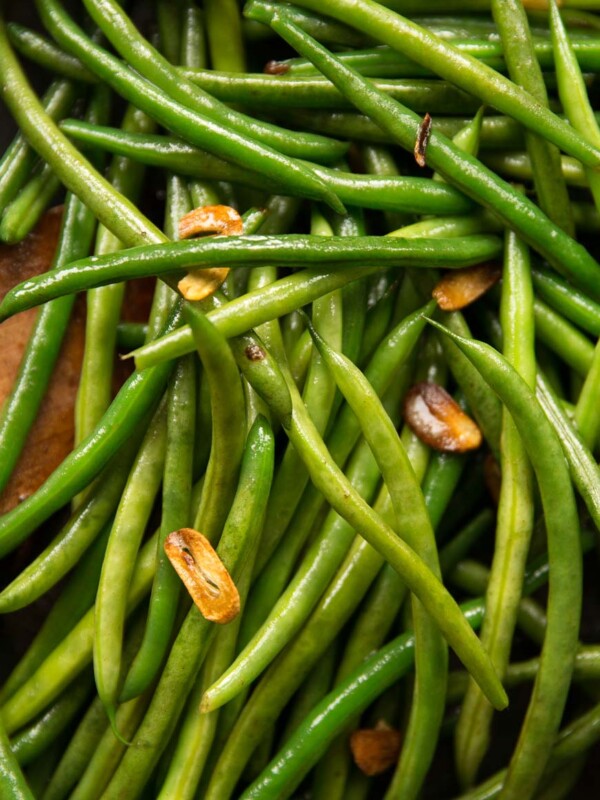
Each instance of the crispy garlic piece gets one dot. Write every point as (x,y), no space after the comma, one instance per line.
(438,420)
(223,220)
(376,749)
(204,575)
(461,287)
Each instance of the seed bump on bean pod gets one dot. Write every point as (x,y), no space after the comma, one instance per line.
(438,420)
(204,575)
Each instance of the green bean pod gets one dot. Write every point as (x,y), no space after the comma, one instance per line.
(24,212)
(176,497)
(413,525)
(72,655)
(190,647)
(118,566)
(459,168)
(287,250)
(12,780)
(564,603)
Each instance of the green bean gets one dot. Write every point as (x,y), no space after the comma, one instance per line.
(564,602)
(518,167)
(318,395)
(131,335)
(110,750)
(135,399)
(31,742)
(562,338)
(328,549)
(12,781)
(463,70)
(196,633)
(459,168)
(183,107)
(573,93)
(585,416)
(383,61)
(42,51)
(584,469)
(118,566)
(515,513)
(75,599)
(119,215)
(340,494)
(19,158)
(224,33)
(410,194)
(24,212)
(84,526)
(352,696)
(103,306)
(78,753)
(567,300)
(523,68)
(266,91)
(413,525)
(288,250)
(21,405)
(176,497)
(198,731)
(72,655)
(228,429)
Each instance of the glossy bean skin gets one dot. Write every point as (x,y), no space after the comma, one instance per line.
(456,166)
(184,121)
(289,250)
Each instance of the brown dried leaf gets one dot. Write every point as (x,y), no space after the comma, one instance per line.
(224,220)
(375,749)
(203,574)
(438,420)
(461,287)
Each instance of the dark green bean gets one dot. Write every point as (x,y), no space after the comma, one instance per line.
(241,251)
(135,399)
(463,70)
(523,68)
(584,468)
(567,300)
(392,193)
(458,167)
(266,91)
(184,108)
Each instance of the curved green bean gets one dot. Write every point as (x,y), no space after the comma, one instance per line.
(459,168)
(564,602)
(241,251)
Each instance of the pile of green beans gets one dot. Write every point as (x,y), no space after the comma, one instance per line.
(389,575)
